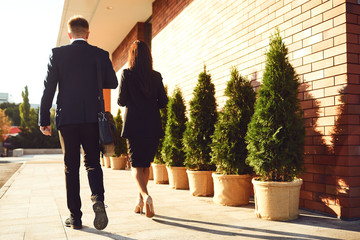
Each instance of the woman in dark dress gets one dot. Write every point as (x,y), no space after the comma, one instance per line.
(142,93)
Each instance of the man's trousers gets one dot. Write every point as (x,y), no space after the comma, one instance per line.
(72,137)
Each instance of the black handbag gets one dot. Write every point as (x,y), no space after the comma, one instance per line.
(107,128)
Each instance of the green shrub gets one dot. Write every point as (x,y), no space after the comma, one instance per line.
(228,147)
(163,113)
(121,145)
(172,150)
(276,133)
(31,136)
(200,127)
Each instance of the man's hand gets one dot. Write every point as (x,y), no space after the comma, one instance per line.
(46,130)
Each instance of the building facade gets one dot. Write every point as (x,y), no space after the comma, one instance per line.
(323,38)
(5,97)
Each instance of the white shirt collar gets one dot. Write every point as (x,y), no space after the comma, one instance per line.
(75,39)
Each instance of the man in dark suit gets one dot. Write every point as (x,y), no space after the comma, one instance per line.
(73,69)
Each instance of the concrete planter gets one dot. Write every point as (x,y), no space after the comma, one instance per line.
(118,163)
(178,178)
(18,152)
(277,200)
(151,174)
(200,183)
(160,173)
(35,151)
(231,190)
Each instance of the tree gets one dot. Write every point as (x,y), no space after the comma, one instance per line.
(121,145)
(228,147)
(5,125)
(31,136)
(12,111)
(172,150)
(163,114)
(200,127)
(24,109)
(276,133)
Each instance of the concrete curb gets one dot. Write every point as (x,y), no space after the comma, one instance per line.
(8,183)
(35,151)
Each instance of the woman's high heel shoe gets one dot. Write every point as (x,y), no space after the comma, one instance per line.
(139,206)
(149,207)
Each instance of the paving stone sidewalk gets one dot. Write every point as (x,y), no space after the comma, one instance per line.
(33,206)
(7,170)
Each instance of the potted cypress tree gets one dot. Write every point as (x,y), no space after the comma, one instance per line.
(107,161)
(232,180)
(275,138)
(120,158)
(158,170)
(197,137)
(172,150)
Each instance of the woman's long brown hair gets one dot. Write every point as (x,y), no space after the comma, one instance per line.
(140,63)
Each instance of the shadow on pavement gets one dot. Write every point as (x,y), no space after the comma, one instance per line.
(171,221)
(324,221)
(104,233)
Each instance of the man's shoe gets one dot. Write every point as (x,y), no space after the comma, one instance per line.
(73,223)
(101,219)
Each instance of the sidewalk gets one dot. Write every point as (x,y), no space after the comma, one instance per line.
(33,206)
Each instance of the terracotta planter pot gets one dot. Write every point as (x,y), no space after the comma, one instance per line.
(231,190)
(178,178)
(277,200)
(151,175)
(107,162)
(118,163)
(128,164)
(102,161)
(200,183)
(160,173)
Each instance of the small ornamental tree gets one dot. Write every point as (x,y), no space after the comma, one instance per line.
(24,109)
(31,136)
(172,150)
(163,113)
(5,125)
(228,147)
(120,144)
(12,111)
(200,127)
(276,133)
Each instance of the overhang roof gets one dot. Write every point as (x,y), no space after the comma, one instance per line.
(110,20)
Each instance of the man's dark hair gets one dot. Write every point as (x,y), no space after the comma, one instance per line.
(78,25)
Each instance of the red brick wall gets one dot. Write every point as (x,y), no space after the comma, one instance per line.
(323,37)
(331,108)
(120,55)
(165,11)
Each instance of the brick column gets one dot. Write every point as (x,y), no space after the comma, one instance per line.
(107,99)
(120,55)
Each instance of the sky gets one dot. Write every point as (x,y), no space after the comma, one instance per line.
(29,30)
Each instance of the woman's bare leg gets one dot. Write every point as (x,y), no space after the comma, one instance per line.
(141,180)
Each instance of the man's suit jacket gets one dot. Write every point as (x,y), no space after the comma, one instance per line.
(142,115)
(73,69)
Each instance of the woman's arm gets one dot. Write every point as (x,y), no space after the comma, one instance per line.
(123,93)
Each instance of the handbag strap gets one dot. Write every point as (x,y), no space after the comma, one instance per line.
(101,95)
